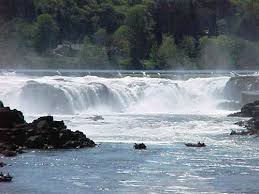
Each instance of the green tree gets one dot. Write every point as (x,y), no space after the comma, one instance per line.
(110,19)
(101,37)
(25,34)
(247,18)
(93,56)
(46,33)
(188,46)
(120,41)
(167,52)
(139,26)
(228,52)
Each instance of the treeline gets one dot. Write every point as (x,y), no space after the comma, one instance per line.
(132,34)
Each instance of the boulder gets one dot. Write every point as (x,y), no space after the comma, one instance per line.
(42,123)
(10,118)
(47,122)
(96,118)
(2,164)
(35,142)
(140,146)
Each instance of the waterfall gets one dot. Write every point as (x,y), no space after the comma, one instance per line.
(75,95)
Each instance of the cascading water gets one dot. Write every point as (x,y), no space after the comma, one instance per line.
(90,94)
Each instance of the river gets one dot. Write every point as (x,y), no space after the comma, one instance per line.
(162,110)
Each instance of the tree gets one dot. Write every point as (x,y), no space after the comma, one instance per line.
(139,25)
(46,33)
(93,56)
(109,19)
(247,15)
(188,45)
(167,52)
(25,33)
(120,41)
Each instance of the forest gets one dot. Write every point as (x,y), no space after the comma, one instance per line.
(129,34)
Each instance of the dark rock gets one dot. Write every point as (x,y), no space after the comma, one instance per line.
(252,125)
(35,142)
(96,118)
(70,144)
(140,146)
(48,122)
(42,123)
(1,104)
(88,143)
(5,177)
(47,147)
(199,144)
(248,110)
(64,136)
(239,133)
(20,151)
(10,118)
(236,85)
(42,133)
(2,164)
(240,123)
(59,125)
(18,136)
(9,153)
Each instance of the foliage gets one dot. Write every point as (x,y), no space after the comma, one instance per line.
(228,52)
(131,33)
(120,41)
(45,33)
(139,25)
(93,56)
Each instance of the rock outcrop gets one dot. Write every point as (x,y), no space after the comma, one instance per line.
(248,110)
(2,164)
(236,85)
(43,133)
(252,125)
(140,146)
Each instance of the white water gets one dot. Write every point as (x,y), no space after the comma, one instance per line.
(79,95)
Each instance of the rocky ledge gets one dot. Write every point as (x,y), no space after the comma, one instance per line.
(236,85)
(252,125)
(43,133)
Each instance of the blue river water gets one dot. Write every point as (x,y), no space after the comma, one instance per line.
(227,165)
